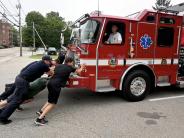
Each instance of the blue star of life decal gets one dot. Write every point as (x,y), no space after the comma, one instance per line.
(146,41)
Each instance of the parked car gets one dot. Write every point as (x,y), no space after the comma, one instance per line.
(52,51)
(1,47)
(40,51)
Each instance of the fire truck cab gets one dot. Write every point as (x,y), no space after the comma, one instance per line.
(150,53)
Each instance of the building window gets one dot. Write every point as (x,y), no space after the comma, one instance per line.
(165,36)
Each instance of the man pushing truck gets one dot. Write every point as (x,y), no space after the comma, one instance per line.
(28,74)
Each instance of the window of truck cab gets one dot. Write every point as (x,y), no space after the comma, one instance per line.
(165,36)
(150,19)
(166,32)
(167,20)
(108,34)
(89,31)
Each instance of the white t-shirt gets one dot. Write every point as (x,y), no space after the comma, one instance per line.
(115,38)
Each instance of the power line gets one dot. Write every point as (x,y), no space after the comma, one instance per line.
(10,15)
(6,9)
(8,19)
(12,5)
(19,22)
(23,12)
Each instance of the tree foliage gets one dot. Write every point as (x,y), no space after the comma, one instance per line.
(49,28)
(15,37)
(160,4)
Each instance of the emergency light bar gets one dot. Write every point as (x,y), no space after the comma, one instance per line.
(80,19)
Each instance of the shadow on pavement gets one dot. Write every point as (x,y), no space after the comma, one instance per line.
(83,97)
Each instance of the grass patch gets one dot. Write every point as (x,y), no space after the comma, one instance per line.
(39,57)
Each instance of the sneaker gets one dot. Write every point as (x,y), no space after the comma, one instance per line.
(40,122)
(39,112)
(46,121)
(5,121)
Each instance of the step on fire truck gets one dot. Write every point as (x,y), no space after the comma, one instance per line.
(150,55)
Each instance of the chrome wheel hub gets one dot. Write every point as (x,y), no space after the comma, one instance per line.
(138,86)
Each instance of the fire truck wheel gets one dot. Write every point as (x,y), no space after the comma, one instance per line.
(137,86)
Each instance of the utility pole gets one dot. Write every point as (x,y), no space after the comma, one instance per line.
(34,46)
(20,27)
(34,33)
(12,37)
(40,39)
(98,7)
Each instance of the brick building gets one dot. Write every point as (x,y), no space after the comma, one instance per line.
(6,35)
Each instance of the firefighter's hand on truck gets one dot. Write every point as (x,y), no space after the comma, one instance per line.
(51,72)
(83,67)
(106,42)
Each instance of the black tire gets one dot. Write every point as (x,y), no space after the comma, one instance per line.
(126,87)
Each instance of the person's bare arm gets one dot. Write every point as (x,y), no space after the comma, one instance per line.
(51,72)
(79,70)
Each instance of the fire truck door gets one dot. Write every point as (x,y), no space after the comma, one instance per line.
(145,42)
(166,49)
(112,50)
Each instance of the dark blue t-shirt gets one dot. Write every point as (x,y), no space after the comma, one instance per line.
(28,66)
(34,70)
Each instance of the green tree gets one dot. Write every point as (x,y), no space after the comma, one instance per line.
(49,28)
(39,21)
(54,26)
(35,17)
(15,36)
(162,4)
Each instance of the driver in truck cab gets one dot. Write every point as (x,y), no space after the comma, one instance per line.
(115,37)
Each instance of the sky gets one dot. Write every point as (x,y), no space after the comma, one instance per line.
(73,9)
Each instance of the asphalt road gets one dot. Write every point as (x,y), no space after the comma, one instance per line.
(10,53)
(83,114)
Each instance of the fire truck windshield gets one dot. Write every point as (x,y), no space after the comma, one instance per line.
(89,31)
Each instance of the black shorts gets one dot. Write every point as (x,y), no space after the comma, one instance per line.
(54,88)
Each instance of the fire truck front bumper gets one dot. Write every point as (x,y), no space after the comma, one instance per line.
(82,82)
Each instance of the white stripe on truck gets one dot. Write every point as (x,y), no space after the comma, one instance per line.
(105,62)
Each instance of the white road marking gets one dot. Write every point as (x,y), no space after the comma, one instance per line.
(166,98)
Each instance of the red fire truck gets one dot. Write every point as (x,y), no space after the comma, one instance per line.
(149,55)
